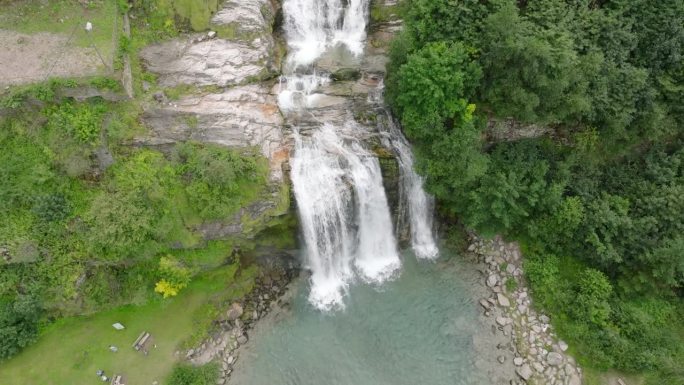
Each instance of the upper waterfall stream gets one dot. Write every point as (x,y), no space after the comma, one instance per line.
(345,216)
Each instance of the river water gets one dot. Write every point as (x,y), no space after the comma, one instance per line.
(420,328)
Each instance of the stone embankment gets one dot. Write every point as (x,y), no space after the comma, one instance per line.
(240,316)
(539,357)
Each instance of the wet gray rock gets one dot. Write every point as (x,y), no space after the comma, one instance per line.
(234,312)
(554,359)
(242,339)
(503,321)
(503,300)
(346,74)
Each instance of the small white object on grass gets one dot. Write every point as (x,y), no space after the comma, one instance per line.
(118,326)
(89,26)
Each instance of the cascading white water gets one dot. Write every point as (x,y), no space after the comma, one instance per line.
(345,217)
(344,214)
(313,26)
(412,196)
(297,92)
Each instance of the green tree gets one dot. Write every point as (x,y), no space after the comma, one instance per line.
(530,73)
(433,89)
(174,277)
(518,187)
(18,324)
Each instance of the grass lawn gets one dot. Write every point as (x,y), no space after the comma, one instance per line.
(65,16)
(70,351)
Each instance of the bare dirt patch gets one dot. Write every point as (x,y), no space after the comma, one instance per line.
(28,58)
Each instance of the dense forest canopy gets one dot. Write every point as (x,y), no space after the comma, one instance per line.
(597,200)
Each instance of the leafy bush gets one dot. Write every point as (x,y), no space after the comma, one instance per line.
(51,208)
(81,121)
(18,324)
(217,180)
(174,277)
(591,303)
(184,374)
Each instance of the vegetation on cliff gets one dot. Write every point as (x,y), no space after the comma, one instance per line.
(598,202)
(88,218)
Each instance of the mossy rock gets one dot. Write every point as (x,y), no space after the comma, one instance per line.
(344,74)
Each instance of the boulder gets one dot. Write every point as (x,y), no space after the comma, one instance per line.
(574,380)
(503,300)
(525,372)
(484,303)
(554,359)
(538,367)
(503,321)
(343,74)
(518,361)
(234,312)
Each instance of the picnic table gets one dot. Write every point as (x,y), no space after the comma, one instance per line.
(141,340)
(117,380)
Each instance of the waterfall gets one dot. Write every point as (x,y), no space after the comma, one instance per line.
(313,26)
(344,214)
(412,197)
(343,209)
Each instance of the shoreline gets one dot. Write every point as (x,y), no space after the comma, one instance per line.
(528,339)
(235,325)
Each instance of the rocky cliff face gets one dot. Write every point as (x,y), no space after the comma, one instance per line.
(217,87)
(229,80)
(232,105)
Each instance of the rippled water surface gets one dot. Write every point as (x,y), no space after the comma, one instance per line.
(416,329)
